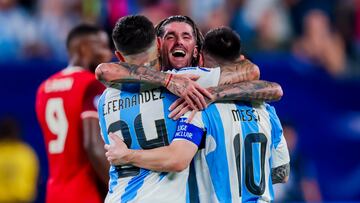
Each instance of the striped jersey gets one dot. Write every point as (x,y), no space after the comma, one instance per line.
(243,142)
(139,115)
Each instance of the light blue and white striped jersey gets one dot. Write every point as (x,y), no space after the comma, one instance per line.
(139,115)
(243,142)
(202,72)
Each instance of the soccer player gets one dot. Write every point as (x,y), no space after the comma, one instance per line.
(67,113)
(138,113)
(234,69)
(243,140)
(186,39)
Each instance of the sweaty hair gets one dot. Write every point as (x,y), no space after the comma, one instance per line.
(133,34)
(222,43)
(80,31)
(160,31)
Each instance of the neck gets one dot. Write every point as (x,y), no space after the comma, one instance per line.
(210,62)
(77,61)
(230,66)
(147,58)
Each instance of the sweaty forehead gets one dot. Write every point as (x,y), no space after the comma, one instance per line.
(178,28)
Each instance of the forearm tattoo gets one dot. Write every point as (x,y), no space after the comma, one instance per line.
(125,72)
(279,174)
(245,70)
(258,90)
(139,73)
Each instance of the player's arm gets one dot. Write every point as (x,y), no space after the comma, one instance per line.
(280,154)
(242,71)
(240,82)
(237,82)
(172,158)
(183,86)
(110,73)
(92,141)
(93,145)
(280,174)
(258,90)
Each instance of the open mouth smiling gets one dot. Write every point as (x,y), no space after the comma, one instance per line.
(178,53)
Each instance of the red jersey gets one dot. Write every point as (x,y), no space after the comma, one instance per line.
(61,103)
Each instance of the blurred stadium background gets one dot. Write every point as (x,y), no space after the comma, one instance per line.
(310,47)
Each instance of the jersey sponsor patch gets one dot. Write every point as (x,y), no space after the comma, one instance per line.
(188,131)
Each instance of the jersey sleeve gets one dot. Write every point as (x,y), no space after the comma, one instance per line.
(209,77)
(91,98)
(102,122)
(192,132)
(280,152)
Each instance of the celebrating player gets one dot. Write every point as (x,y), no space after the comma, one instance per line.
(173,41)
(65,107)
(243,140)
(139,114)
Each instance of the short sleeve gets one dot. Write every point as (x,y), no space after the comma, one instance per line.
(280,152)
(102,122)
(209,77)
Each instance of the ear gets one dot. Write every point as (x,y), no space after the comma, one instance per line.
(242,57)
(196,52)
(159,39)
(119,56)
(201,60)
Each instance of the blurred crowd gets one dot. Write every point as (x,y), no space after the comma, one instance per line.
(323,32)
(308,36)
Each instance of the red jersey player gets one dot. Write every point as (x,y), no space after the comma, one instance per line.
(66,109)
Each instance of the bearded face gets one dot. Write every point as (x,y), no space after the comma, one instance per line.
(178,45)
